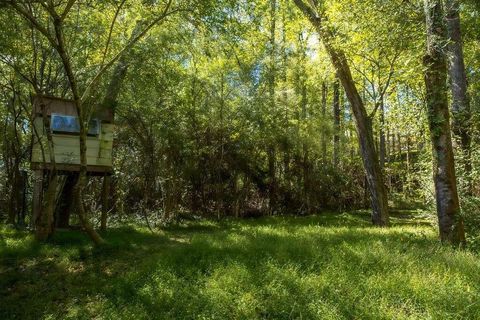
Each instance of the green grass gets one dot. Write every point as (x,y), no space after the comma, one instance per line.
(320,267)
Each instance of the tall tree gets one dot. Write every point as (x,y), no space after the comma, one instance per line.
(109,105)
(458,80)
(316,15)
(435,61)
(272,101)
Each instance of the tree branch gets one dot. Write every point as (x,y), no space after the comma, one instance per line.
(67,9)
(126,48)
(308,10)
(111,30)
(33,21)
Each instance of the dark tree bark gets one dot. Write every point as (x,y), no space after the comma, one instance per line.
(461,112)
(371,163)
(448,208)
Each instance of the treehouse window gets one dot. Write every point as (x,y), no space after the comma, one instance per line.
(70,125)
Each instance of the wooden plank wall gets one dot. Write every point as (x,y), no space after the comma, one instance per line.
(67,147)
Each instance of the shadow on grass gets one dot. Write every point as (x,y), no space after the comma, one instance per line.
(36,278)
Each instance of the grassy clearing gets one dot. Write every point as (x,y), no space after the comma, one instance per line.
(320,267)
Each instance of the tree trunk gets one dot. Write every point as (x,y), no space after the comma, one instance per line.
(272,88)
(107,108)
(13,196)
(370,159)
(272,184)
(382,148)
(371,163)
(393,149)
(110,100)
(22,199)
(285,102)
(461,124)
(105,202)
(82,214)
(409,166)
(37,197)
(83,118)
(324,115)
(448,208)
(387,146)
(336,122)
(399,148)
(45,226)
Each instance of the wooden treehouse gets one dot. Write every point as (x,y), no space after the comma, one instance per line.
(60,117)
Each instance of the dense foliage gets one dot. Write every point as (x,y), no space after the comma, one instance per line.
(232,108)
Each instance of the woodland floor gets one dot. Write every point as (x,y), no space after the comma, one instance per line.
(330,266)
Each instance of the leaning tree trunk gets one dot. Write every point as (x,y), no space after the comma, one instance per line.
(83,119)
(461,103)
(371,163)
(448,208)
